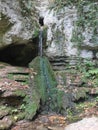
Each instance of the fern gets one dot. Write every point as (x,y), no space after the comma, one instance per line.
(94,71)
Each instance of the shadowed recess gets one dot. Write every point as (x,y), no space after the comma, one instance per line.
(20,54)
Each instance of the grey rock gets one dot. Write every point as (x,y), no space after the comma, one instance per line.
(85,124)
(16,22)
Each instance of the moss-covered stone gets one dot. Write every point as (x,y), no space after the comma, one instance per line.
(73,118)
(43,90)
(20,93)
(38,88)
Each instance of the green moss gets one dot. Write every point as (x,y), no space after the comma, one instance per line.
(20,116)
(72,119)
(21,93)
(47,94)
(23,79)
(10,76)
(39,78)
(31,110)
(43,91)
(4,109)
(36,33)
(50,73)
(32,104)
(39,84)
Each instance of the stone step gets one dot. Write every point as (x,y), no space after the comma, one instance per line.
(19,76)
(60,62)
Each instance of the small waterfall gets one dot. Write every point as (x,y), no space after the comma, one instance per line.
(43,67)
(44,70)
(40,42)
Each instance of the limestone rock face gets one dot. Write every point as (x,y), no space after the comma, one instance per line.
(65,31)
(60,26)
(85,124)
(17,21)
(71,32)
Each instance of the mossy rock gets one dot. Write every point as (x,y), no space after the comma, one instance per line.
(44,94)
(20,93)
(37,89)
(41,94)
(72,119)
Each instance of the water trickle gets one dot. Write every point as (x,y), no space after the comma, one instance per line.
(43,67)
(40,43)
(41,22)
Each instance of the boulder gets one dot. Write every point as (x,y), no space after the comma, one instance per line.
(85,124)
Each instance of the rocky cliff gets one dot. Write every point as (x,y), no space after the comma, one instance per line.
(72,27)
(17,21)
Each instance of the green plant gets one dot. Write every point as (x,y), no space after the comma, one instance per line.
(88,71)
(36,33)
(96,99)
(14,111)
(23,107)
(94,71)
(20,93)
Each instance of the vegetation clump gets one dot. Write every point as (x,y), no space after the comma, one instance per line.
(86,22)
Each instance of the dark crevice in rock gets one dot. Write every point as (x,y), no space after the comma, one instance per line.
(80,100)
(92,96)
(19,55)
(20,80)
(19,73)
(60,62)
(89,97)
(14,101)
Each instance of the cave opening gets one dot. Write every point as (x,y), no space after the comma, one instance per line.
(18,55)
(22,54)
